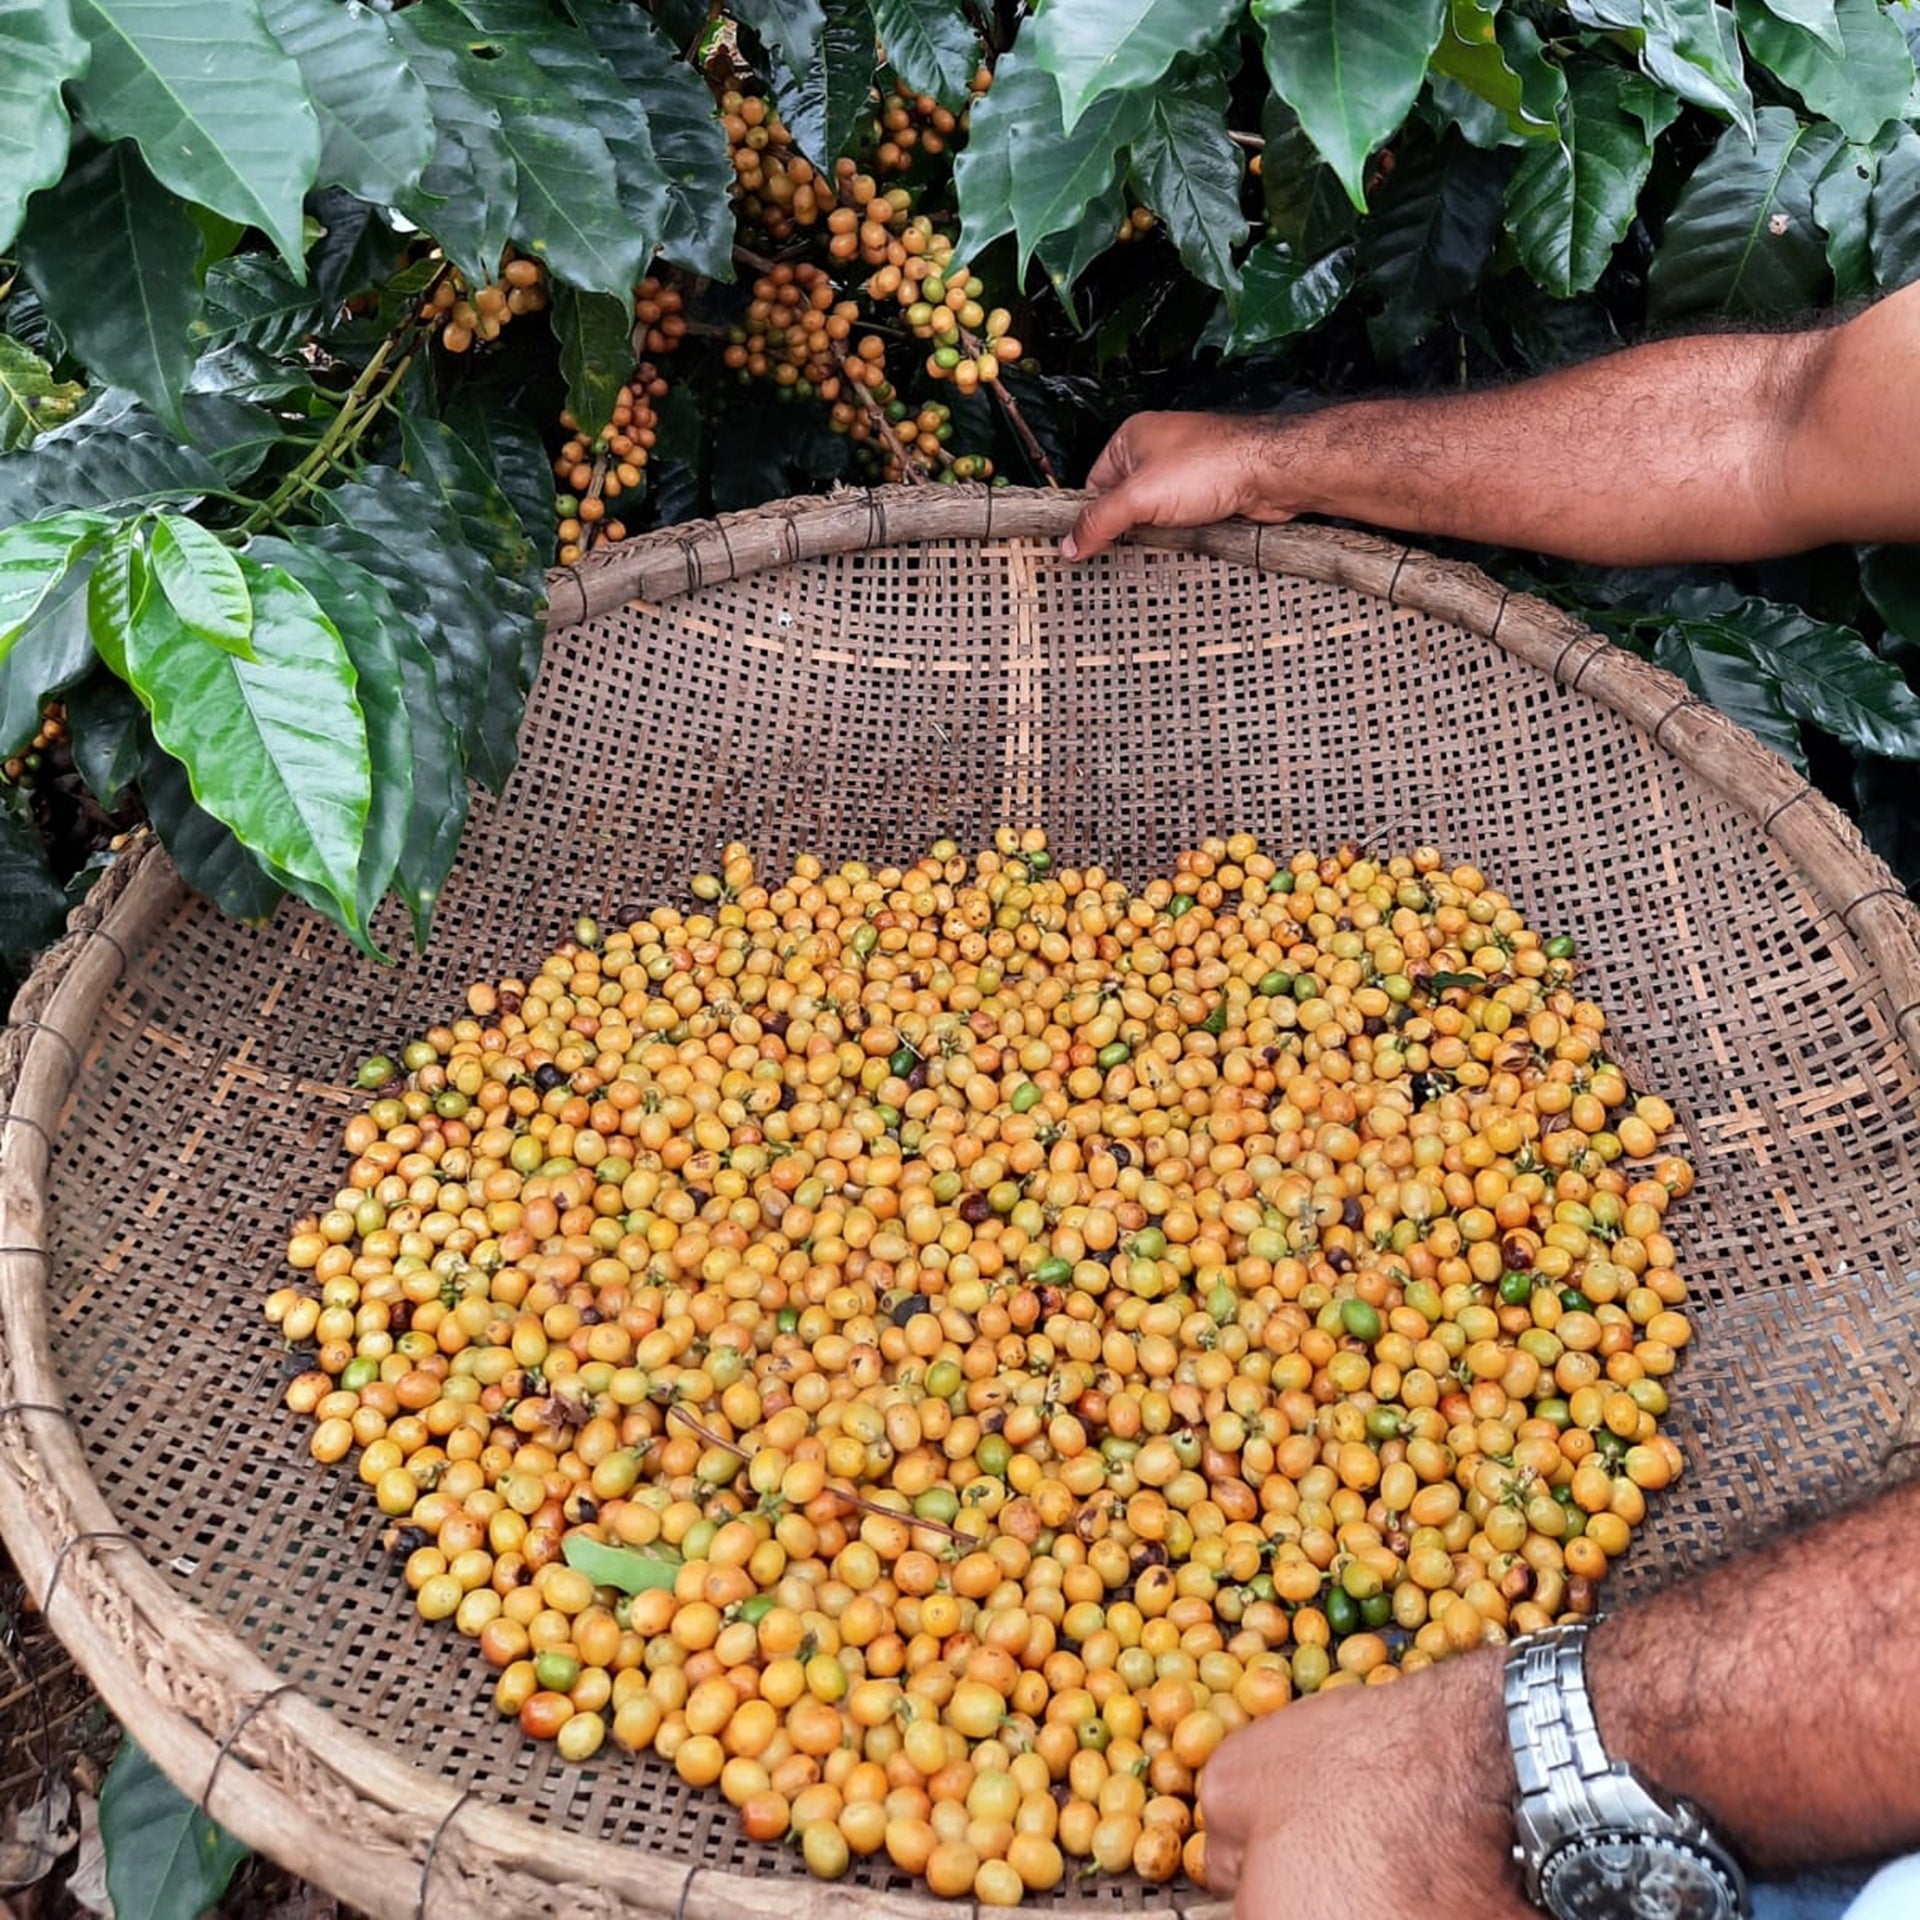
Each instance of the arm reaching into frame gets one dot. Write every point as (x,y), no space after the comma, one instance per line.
(1714,447)
(1776,1691)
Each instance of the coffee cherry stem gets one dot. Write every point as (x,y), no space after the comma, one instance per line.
(911,466)
(841,1491)
(1017,420)
(590,532)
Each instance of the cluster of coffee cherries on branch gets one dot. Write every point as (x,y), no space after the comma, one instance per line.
(782,191)
(659,309)
(776,189)
(595,470)
(19,769)
(467,317)
(911,258)
(923,435)
(798,333)
(908,125)
(866,224)
(803,332)
(914,266)
(940,300)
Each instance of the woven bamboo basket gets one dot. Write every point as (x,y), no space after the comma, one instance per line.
(861,675)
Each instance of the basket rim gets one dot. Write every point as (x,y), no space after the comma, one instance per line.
(267,1760)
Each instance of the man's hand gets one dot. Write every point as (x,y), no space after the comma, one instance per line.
(1391,1802)
(1176,470)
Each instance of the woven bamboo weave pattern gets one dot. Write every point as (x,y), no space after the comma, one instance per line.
(858,677)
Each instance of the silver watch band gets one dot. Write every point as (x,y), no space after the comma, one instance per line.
(1557,1752)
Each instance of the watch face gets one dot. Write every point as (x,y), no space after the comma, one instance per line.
(1637,1876)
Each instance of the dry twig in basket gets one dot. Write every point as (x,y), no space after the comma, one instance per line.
(845,1493)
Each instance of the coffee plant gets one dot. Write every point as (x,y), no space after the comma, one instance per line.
(326,327)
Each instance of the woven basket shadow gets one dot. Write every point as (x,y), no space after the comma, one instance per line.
(861,675)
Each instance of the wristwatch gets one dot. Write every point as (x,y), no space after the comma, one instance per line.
(1594,1840)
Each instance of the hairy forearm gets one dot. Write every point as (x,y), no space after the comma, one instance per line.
(1721,447)
(1671,451)
(1782,1690)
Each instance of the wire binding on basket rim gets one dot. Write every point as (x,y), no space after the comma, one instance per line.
(286,1772)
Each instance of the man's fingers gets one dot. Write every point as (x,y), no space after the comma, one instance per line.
(1114,464)
(1101,523)
(1224,1862)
